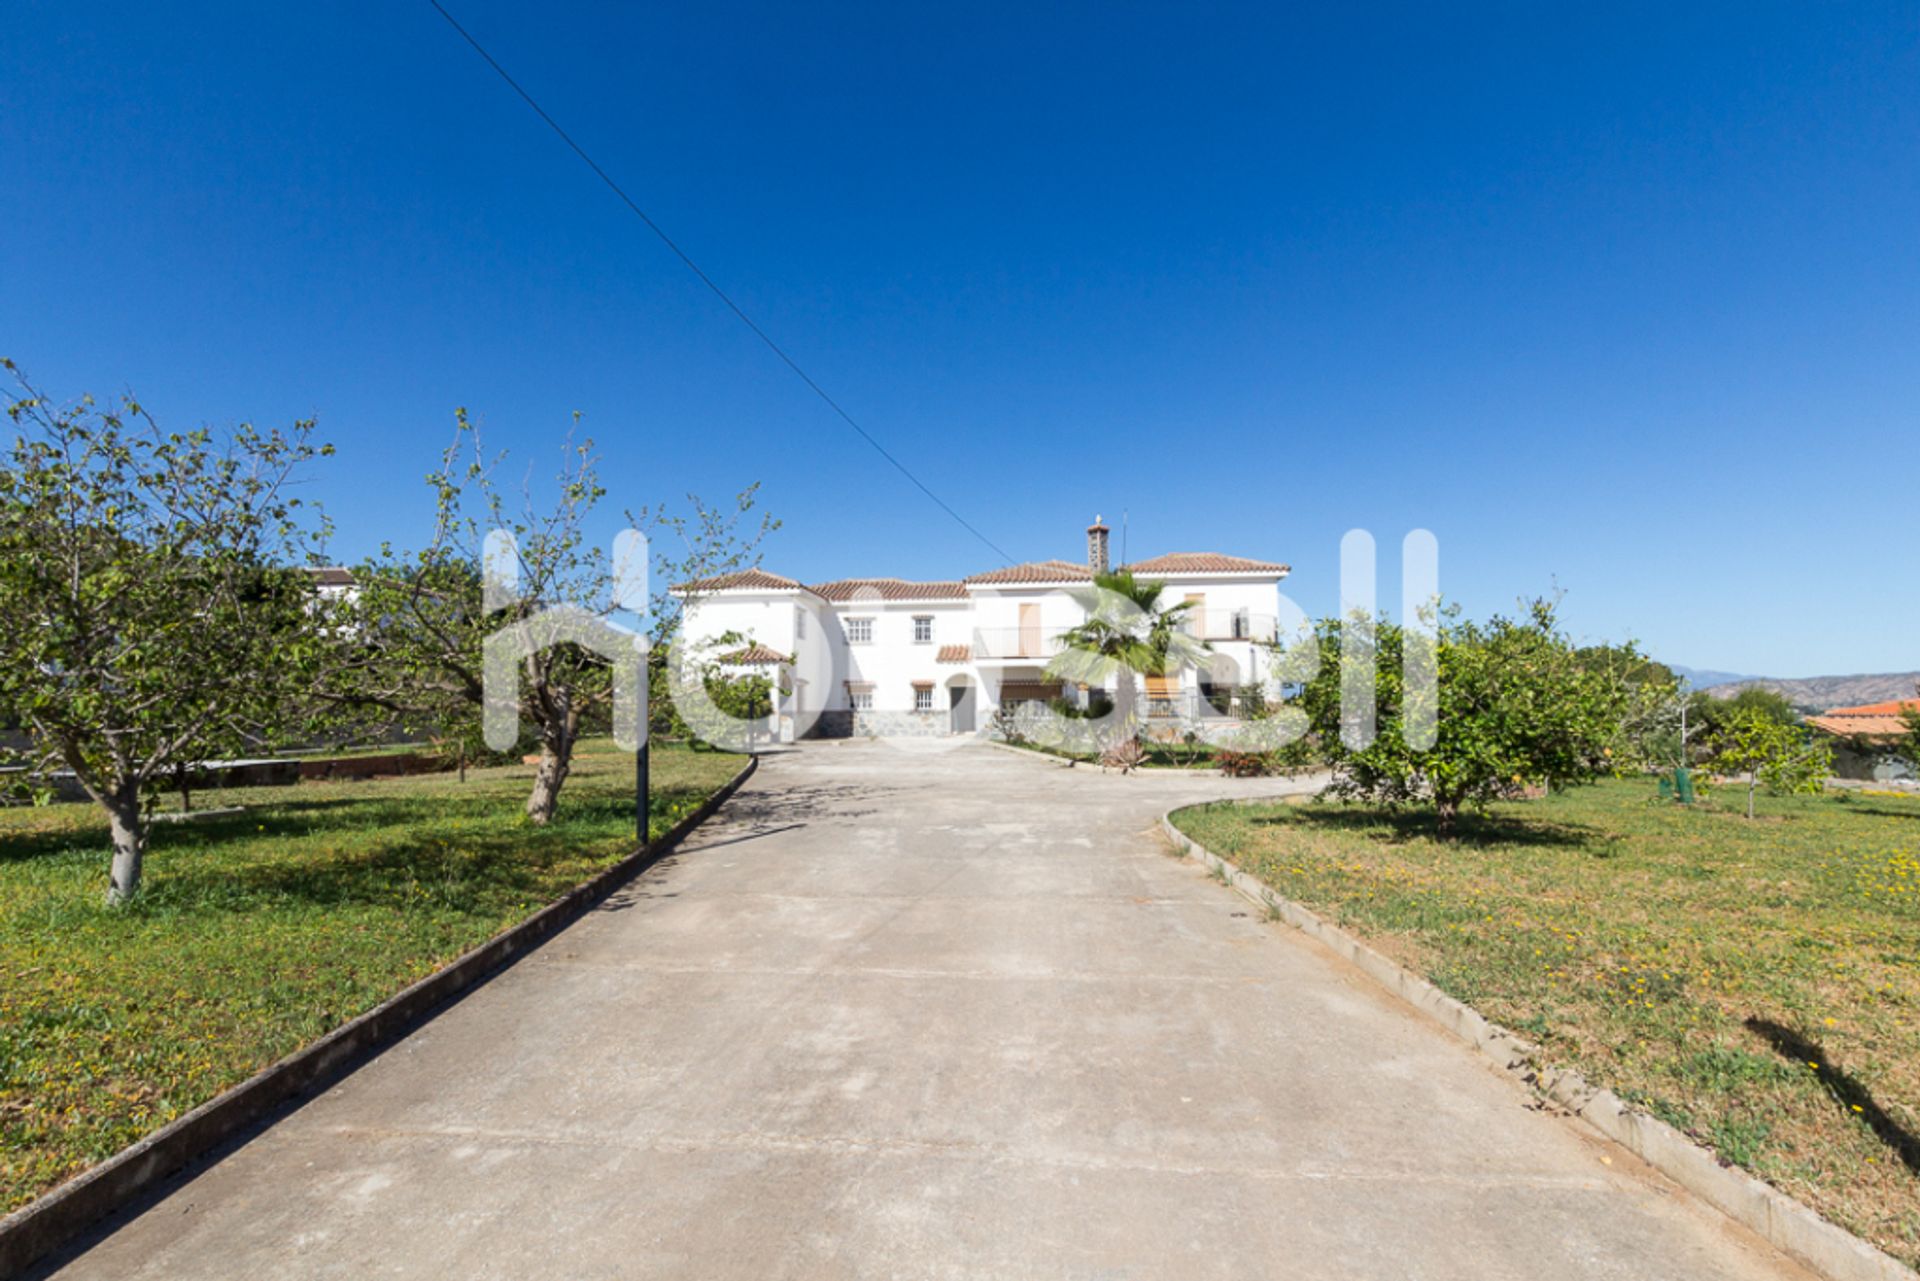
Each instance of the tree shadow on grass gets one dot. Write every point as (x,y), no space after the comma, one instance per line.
(274,817)
(597,807)
(1846,1089)
(1871,810)
(344,819)
(390,851)
(21,847)
(1397,826)
(403,872)
(508,863)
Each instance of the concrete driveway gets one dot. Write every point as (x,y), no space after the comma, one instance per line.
(929,1013)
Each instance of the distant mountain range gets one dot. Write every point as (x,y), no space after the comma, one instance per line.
(1811,693)
(1702,678)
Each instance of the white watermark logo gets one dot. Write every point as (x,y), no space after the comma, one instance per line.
(1076,668)
(624,648)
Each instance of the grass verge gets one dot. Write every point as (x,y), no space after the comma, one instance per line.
(258,932)
(1754,983)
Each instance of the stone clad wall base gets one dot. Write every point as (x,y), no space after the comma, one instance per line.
(880,724)
(886,724)
(832,725)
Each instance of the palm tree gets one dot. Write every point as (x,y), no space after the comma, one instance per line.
(1127,631)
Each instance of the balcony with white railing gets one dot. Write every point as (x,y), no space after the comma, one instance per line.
(1231,625)
(1016,644)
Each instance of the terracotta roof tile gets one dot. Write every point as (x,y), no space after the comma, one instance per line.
(748,579)
(1035,571)
(755,655)
(1206,563)
(1893,707)
(1031,573)
(955,654)
(1881,721)
(847,589)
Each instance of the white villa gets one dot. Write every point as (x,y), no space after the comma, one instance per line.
(885,656)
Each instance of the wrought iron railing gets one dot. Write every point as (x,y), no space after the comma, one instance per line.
(1220,703)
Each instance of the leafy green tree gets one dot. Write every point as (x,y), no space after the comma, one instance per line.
(732,694)
(747,696)
(1652,725)
(152,612)
(1517,706)
(1909,746)
(1710,716)
(1629,665)
(1127,631)
(1784,758)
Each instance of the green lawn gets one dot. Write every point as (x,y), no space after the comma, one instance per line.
(258,932)
(1756,984)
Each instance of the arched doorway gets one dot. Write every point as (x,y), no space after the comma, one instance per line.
(1219,683)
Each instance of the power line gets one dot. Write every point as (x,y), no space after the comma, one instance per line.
(708,281)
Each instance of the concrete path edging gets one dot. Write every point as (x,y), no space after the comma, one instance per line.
(57,1218)
(1782,1221)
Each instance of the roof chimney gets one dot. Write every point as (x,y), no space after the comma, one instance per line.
(1097,546)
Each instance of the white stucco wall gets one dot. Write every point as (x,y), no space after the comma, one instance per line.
(892,661)
(1223,596)
(826,662)
(766,617)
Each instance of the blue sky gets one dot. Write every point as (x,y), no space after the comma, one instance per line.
(1621,299)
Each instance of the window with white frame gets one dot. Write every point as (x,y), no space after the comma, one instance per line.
(859,631)
(923,698)
(861,698)
(923,629)
(799,624)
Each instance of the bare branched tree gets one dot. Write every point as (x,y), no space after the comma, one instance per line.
(414,630)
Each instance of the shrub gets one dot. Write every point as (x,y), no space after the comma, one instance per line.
(1515,706)
(1302,753)
(1785,759)
(1124,756)
(1246,764)
(1099,704)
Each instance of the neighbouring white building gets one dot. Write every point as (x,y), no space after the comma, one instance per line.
(885,656)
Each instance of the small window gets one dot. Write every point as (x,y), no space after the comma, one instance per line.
(862,700)
(923,629)
(859,631)
(922,698)
(799,624)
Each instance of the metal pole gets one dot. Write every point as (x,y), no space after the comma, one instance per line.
(642,795)
(642,759)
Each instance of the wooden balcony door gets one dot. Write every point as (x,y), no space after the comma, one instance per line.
(1030,630)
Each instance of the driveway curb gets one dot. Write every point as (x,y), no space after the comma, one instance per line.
(1825,1247)
(43,1226)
